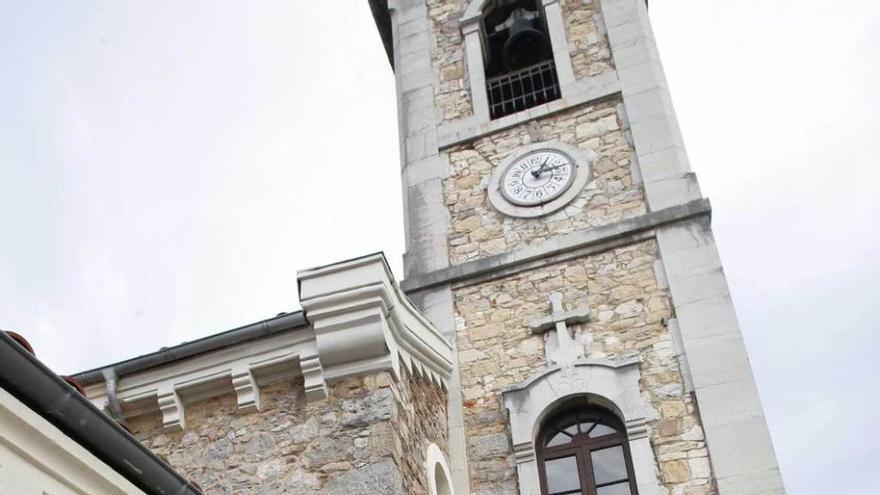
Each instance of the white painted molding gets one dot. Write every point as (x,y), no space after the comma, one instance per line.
(37,457)
(241,369)
(583,160)
(613,385)
(363,322)
(439,478)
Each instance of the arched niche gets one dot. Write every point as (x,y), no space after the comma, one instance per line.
(439,479)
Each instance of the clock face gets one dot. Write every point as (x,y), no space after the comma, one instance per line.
(537,177)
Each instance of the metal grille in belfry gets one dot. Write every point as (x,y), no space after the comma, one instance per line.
(525,88)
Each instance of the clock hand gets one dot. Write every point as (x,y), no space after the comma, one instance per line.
(540,170)
(555,167)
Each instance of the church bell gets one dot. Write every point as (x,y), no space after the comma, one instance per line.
(526,45)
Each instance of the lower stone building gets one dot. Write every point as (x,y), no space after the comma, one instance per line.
(352,399)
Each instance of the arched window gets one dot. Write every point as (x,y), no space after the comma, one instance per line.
(584,451)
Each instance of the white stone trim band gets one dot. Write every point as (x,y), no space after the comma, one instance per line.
(576,244)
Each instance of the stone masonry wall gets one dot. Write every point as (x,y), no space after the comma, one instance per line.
(452,94)
(420,419)
(477,229)
(628,314)
(359,441)
(587,42)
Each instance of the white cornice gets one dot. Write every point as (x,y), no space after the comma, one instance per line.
(363,322)
(360,323)
(242,369)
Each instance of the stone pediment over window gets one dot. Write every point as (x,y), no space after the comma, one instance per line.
(613,385)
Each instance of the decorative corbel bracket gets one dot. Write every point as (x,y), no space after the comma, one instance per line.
(246,389)
(243,369)
(171,406)
(313,377)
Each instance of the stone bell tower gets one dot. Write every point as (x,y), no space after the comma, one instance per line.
(556,234)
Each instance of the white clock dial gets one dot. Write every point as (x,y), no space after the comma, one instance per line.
(537,177)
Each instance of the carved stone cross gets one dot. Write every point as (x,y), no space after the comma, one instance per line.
(563,350)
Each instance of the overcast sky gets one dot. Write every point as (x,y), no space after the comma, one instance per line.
(167,167)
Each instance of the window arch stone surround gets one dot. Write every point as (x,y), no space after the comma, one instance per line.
(439,477)
(613,385)
(471,29)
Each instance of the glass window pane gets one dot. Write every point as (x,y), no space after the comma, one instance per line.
(608,465)
(601,430)
(562,474)
(618,489)
(568,424)
(586,425)
(557,439)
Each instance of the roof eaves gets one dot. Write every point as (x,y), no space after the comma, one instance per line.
(47,394)
(379,9)
(260,329)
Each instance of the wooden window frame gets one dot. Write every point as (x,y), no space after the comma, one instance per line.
(582,446)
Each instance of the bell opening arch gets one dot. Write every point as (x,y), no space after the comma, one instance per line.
(516,55)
